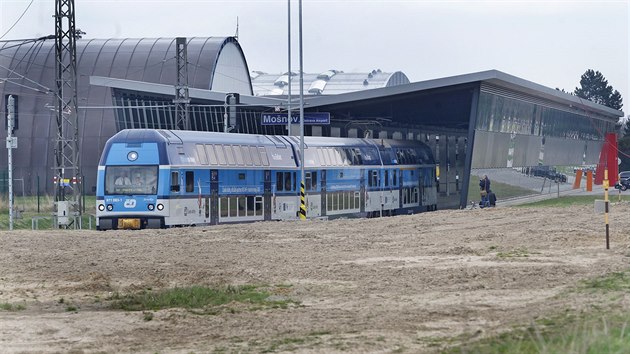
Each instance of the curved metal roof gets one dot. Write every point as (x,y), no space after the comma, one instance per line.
(28,71)
(330,82)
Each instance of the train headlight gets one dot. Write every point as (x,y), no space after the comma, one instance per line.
(132,156)
(160,207)
(150,207)
(110,207)
(101,207)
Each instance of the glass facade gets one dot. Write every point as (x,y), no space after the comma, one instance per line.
(508,115)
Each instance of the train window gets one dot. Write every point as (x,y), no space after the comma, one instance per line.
(224,206)
(342,155)
(310,181)
(250,205)
(335,157)
(220,154)
(238,155)
(259,205)
(359,158)
(230,154)
(314,181)
(201,152)
(255,155)
(394,178)
(279,181)
(247,157)
(287,181)
(174,181)
(348,155)
(263,156)
(327,161)
(190,181)
(242,206)
(322,160)
(374,179)
(212,156)
(233,206)
(331,157)
(386,178)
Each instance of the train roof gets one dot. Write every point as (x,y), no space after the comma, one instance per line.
(185,148)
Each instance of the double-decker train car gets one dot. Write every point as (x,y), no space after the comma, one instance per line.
(163,178)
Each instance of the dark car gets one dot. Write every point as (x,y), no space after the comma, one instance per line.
(549,173)
(624,181)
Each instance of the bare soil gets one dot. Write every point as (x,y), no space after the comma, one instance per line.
(414,283)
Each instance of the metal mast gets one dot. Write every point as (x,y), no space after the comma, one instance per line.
(182,99)
(67,168)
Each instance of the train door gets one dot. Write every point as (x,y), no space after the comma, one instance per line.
(214,197)
(285,199)
(401,188)
(390,190)
(363,193)
(267,195)
(313,197)
(322,206)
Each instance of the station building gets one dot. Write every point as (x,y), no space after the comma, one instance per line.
(483,120)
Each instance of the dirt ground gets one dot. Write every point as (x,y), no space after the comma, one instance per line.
(401,284)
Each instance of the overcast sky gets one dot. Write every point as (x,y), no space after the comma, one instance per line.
(550,42)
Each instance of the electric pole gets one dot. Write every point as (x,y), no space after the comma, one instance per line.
(67,170)
(182,98)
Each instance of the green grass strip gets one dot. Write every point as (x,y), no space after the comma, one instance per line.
(196,297)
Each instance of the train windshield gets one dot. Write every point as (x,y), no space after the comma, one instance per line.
(131,179)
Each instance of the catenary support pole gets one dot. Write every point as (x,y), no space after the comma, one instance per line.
(302,201)
(11,140)
(289,66)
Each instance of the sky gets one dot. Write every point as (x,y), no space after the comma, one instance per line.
(549,42)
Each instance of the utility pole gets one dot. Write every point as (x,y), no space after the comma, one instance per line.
(11,144)
(289,65)
(182,99)
(302,192)
(67,168)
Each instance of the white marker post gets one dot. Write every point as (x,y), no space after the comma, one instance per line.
(11,144)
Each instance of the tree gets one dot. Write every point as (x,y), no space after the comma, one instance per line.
(594,87)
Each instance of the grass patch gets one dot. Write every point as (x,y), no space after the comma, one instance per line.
(618,281)
(10,307)
(209,300)
(593,332)
(564,334)
(28,209)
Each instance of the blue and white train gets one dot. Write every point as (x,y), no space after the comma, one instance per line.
(163,178)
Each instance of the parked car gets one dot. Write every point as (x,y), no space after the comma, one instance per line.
(548,172)
(624,181)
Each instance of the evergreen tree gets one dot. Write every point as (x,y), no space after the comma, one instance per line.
(594,87)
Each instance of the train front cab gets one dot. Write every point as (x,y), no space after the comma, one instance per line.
(128,198)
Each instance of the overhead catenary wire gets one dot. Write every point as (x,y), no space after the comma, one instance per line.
(18,20)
